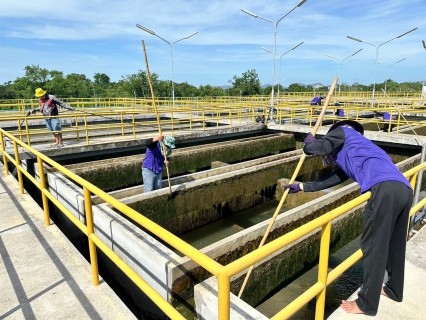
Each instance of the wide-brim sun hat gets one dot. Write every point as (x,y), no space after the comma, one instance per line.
(357,126)
(39,92)
(169,141)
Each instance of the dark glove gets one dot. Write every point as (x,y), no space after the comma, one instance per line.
(310,138)
(294,188)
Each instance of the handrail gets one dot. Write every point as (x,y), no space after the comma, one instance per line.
(217,112)
(209,264)
(223,273)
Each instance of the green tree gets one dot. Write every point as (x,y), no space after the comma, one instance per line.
(135,84)
(295,87)
(77,86)
(206,91)
(57,85)
(247,85)
(6,91)
(34,77)
(185,90)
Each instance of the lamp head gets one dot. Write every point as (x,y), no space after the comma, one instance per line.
(191,35)
(145,29)
(352,38)
(357,51)
(406,33)
(298,45)
(250,13)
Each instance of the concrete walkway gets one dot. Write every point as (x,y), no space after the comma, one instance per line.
(42,275)
(413,307)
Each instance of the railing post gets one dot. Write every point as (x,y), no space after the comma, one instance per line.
(323,269)
(3,149)
(18,163)
(204,120)
(43,196)
(134,126)
(224,297)
(27,130)
(122,123)
(399,123)
(19,128)
(86,130)
(253,118)
(90,230)
(76,128)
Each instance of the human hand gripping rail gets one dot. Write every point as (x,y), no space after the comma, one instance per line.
(294,187)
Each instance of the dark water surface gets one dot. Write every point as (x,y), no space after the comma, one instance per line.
(226,227)
(339,290)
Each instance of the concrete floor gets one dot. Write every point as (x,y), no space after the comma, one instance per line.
(413,306)
(42,275)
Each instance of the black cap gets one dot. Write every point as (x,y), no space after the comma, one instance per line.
(358,127)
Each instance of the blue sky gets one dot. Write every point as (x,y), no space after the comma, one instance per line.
(89,36)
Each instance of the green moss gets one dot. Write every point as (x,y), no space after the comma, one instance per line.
(119,175)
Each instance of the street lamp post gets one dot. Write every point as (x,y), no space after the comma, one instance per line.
(279,73)
(424,81)
(387,68)
(171,52)
(377,56)
(341,63)
(275,41)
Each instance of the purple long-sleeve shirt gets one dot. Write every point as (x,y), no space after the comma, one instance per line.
(357,158)
(154,159)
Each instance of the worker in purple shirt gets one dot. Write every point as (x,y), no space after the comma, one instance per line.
(317,101)
(385,217)
(152,165)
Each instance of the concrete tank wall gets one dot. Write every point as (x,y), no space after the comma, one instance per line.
(175,276)
(126,171)
(201,202)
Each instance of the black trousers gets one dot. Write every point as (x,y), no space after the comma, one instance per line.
(383,243)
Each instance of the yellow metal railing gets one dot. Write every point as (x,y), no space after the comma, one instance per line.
(88,228)
(222,273)
(130,120)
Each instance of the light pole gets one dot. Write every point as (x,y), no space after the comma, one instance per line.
(275,41)
(171,52)
(279,73)
(377,56)
(341,63)
(387,68)
(424,81)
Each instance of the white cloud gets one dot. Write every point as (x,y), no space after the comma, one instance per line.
(101,34)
